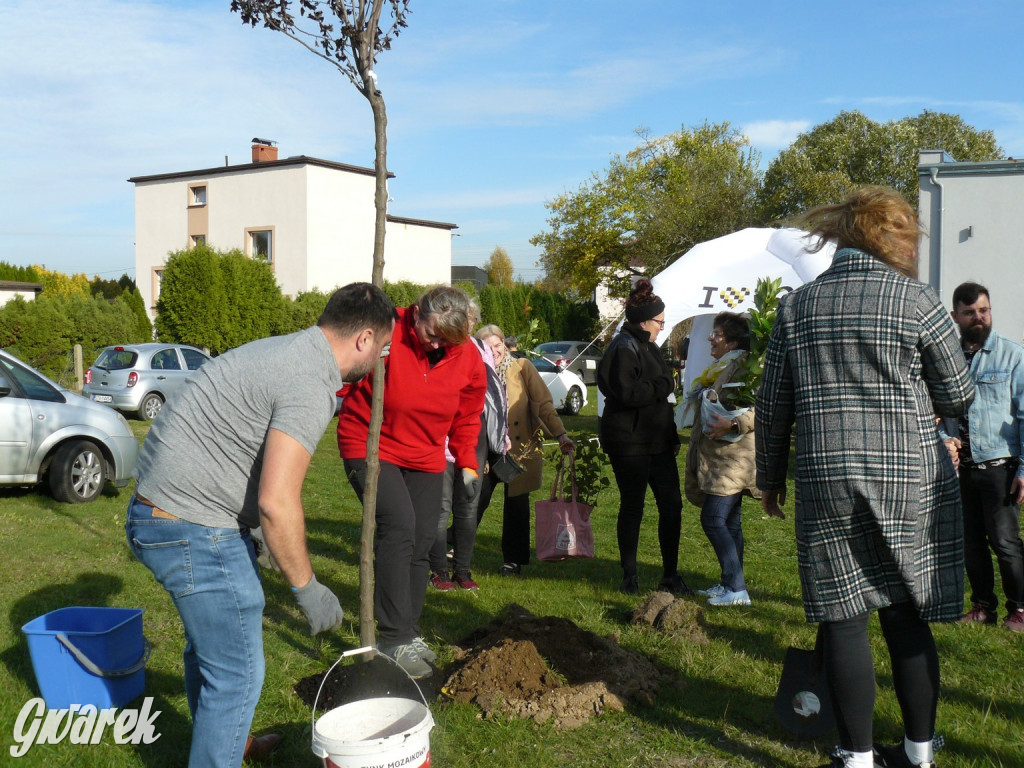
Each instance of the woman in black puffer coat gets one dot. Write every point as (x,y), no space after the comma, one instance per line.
(639,435)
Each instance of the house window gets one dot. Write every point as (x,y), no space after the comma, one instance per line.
(261,244)
(198,240)
(158,276)
(197,195)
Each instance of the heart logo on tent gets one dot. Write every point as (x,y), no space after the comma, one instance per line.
(733,297)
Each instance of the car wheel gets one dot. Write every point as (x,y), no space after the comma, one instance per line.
(150,406)
(77,472)
(573,401)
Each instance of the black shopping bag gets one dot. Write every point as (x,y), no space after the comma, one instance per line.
(803,704)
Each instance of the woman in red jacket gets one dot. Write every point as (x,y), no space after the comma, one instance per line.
(434,388)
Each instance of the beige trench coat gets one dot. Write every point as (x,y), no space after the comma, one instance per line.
(529,407)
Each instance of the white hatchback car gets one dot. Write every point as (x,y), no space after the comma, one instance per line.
(49,432)
(568,391)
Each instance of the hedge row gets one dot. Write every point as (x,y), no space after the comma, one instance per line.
(218,301)
(44,331)
(222,300)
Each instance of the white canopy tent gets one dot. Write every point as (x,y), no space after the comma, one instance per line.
(720,276)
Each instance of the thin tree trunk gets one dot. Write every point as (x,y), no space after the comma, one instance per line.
(367,631)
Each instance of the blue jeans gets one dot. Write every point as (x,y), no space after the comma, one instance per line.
(211,575)
(721,520)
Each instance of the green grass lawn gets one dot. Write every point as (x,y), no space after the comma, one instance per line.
(716,712)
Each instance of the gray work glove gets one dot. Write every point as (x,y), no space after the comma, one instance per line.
(470,482)
(320,605)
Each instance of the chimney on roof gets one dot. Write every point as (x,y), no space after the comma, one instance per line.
(264,150)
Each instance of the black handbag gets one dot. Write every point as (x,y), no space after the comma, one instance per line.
(803,704)
(504,467)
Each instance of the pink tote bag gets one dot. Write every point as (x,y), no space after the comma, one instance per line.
(563,525)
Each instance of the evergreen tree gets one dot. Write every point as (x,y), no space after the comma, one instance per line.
(191,307)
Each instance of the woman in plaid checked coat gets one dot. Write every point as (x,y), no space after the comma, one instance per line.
(862,360)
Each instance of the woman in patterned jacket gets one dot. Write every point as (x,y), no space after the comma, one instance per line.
(862,360)
(720,459)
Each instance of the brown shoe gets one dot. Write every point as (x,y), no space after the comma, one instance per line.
(258,748)
(978,615)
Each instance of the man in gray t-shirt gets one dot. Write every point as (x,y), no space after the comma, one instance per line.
(231,453)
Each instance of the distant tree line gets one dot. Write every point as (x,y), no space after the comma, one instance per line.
(218,301)
(72,309)
(535,315)
(650,206)
(221,300)
(19,274)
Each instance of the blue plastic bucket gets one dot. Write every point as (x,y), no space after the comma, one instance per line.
(86,656)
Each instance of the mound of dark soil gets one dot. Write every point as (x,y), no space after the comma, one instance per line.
(542,667)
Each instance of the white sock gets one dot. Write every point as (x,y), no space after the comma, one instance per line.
(860,760)
(918,751)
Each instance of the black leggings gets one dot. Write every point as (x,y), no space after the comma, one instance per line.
(851,674)
(632,475)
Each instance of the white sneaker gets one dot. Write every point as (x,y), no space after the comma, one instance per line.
(714,591)
(730,598)
(424,650)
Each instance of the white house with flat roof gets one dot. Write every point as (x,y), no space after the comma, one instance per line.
(11,288)
(973,217)
(312,219)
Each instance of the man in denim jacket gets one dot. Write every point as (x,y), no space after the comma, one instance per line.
(990,448)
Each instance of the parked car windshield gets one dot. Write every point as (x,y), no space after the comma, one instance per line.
(556,347)
(113,359)
(34,387)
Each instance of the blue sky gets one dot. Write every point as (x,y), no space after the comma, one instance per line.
(494,107)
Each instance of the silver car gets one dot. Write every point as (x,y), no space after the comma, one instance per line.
(139,378)
(47,432)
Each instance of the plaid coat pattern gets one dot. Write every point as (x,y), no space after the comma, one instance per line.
(861,361)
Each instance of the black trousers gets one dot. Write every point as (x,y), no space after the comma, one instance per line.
(515,522)
(632,475)
(992,520)
(408,509)
(851,674)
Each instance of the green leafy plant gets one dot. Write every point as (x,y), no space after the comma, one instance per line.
(762,318)
(528,340)
(590,464)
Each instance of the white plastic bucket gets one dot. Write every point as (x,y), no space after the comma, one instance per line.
(375,733)
(387,732)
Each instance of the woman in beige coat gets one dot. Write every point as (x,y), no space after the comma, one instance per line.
(720,465)
(529,408)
